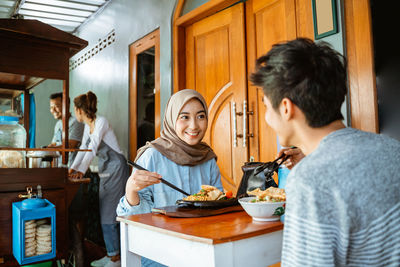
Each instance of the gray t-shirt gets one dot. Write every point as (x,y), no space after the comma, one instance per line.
(75,132)
(343,203)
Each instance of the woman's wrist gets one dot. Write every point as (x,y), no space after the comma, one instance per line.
(132,197)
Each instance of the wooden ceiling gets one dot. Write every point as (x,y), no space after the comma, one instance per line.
(32,51)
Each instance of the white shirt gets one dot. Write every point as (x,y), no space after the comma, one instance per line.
(102,132)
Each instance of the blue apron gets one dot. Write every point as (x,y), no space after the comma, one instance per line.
(113,173)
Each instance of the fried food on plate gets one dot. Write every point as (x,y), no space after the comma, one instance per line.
(208,193)
(271,194)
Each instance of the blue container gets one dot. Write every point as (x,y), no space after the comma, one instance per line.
(28,210)
(283,172)
(8,120)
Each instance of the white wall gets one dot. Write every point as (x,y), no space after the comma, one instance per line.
(106,73)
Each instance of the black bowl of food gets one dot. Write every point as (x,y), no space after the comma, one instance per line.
(209,197)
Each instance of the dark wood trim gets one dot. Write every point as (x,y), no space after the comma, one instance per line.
(361,73)
(65,119)
(11,87)
(48,178)
(178,37)
(148,41)
(203,11)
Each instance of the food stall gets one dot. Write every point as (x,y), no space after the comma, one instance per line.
(30,52)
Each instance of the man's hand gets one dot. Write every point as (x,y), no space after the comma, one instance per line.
(73,144)
(52,145)
(75,174)
(296,155)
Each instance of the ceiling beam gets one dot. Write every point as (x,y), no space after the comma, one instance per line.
(91,17)
(17,7)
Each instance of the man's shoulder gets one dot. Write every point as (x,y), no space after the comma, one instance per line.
(356,142)
(355,136)
(58,125)
(348,151)
(72,120)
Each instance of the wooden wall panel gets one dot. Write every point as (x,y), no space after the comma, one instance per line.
(362,79)
(261,36)
(304,20)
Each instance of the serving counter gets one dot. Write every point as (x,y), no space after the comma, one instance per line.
(55,187)
(231,239)
(31,52)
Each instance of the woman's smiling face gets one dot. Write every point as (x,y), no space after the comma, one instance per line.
(191,124)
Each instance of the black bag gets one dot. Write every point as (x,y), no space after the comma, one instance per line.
(258,175)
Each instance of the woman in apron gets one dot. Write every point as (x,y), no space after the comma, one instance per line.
(99,137)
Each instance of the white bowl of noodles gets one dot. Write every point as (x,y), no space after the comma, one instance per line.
(262,210)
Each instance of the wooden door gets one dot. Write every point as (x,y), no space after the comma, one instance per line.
(267,22)
(216,67)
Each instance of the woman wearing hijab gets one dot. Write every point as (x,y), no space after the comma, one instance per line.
(178,156)
(99,137)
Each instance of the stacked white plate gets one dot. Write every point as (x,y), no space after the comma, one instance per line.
(30,238)
(43,239)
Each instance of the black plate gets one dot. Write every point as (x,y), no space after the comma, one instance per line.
(208,204)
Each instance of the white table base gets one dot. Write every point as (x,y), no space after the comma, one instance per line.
(172,250)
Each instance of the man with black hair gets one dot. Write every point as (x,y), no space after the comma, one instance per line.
(75,128)
(78,206)
(343,198)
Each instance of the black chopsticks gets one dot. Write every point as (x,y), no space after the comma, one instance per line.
(133,164)
(274,164)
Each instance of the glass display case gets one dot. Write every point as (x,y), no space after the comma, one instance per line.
(12,134)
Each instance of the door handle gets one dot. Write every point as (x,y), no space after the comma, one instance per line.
(245,123)
(234,124)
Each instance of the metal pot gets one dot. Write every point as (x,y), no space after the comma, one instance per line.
(34,162)
(43,159)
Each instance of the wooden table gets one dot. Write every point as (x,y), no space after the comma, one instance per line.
(231,239)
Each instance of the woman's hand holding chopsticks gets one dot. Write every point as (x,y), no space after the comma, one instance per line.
(138,180)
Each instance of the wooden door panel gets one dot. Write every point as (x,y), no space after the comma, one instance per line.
(268,22)
(212,62)
(221,140)
(216,67)
(283,29)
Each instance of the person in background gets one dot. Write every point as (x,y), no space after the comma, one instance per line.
(145,131)
(178,156)
(75,128)
(78,204)
(99,137)
(343,198)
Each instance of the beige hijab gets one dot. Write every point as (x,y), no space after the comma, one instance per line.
(169,144)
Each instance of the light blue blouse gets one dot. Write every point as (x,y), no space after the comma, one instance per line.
(188,178)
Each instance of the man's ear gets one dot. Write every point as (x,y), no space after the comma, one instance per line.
(286,109)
